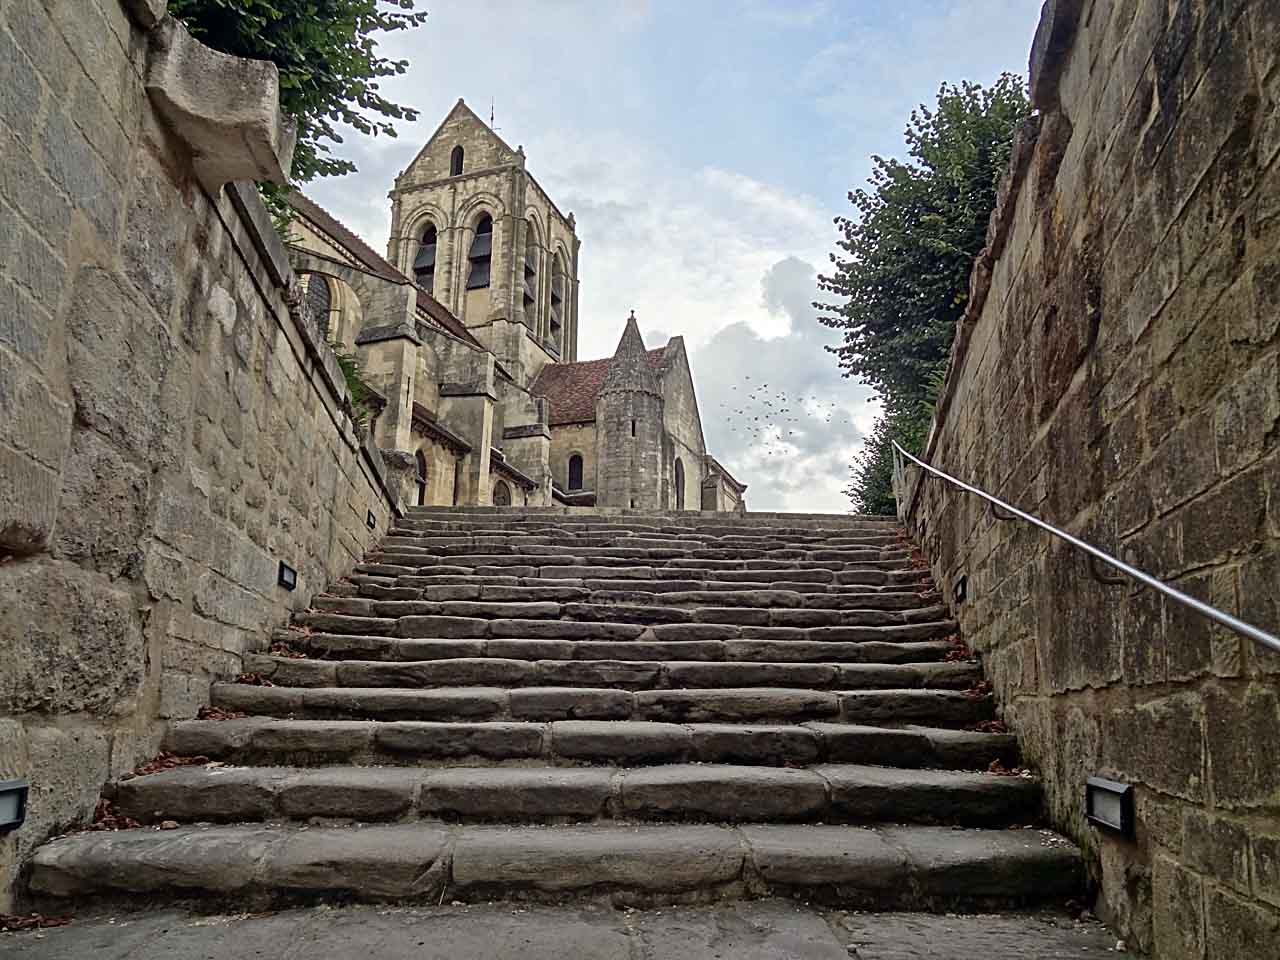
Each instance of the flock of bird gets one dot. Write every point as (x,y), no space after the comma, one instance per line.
(771,417)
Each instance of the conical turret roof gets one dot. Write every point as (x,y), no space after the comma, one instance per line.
(630,369)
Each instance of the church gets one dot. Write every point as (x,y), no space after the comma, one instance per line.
(466,336)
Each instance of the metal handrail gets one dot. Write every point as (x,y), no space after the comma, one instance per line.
(1199,606)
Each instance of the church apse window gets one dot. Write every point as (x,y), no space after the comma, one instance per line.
(501,494)
(424,264)
(481,256)
(575,472)
(320,298)
(455,162)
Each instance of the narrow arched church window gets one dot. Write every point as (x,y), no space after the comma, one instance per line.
(422,478)
(424,264)
(481,254)
(320,297)
(455,161)
(501,494)
(575,472)
(679,484)
(555,320)
(530,292)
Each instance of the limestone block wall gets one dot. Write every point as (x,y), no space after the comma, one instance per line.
(566,440)
(1117,374)
(169,430)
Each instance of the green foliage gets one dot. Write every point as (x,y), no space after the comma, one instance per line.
(901,276)
(327,58)
(362,405)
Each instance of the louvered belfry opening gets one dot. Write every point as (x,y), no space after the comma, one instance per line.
(556,320)
(529,294)
(424,264)
(455,162)
(481,255)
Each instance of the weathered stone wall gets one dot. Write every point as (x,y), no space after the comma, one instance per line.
(1117,376)
(566,440)
(168,430)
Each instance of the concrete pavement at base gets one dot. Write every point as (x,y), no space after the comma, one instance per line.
(759,930)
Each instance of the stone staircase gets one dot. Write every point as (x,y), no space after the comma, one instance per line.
(652,708)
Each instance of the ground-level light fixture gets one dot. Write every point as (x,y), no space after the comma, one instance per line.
(1109,804)
(13,804)
(288,577)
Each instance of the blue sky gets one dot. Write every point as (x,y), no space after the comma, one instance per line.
(704,148)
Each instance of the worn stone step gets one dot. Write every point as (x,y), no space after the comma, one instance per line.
(741,704)
(404,561)
(907,866)
(829,793)
(627,674)
(458,621)
(269,741)
(795,650)
(432,539)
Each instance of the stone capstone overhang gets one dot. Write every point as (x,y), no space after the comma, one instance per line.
(474,388)
(425,423)
(498,464)
(225,108)
(386,331)
(526,430)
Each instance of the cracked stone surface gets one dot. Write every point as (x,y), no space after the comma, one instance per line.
(758,930)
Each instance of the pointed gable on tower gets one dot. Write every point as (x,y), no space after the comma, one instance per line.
(462,135)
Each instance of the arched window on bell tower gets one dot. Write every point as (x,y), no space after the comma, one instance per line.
(481,254)
(555,319)
(424,264)
(529,294)
(455,162)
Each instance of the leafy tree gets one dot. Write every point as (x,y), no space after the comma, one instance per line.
(903,267)
(327,57)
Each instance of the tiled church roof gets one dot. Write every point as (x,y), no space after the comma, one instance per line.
(573,388)
(377,265)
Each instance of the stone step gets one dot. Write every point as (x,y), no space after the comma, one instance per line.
(262,740)
(945,708)
(903,866)
(462,619)
(828,793)
(579,603)
(460,540)
(583,545)
(573,574)
(668,592)
(796,650)
(555,554)
(484,563)
(625,674)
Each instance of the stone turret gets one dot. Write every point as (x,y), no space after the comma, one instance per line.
(629,427)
